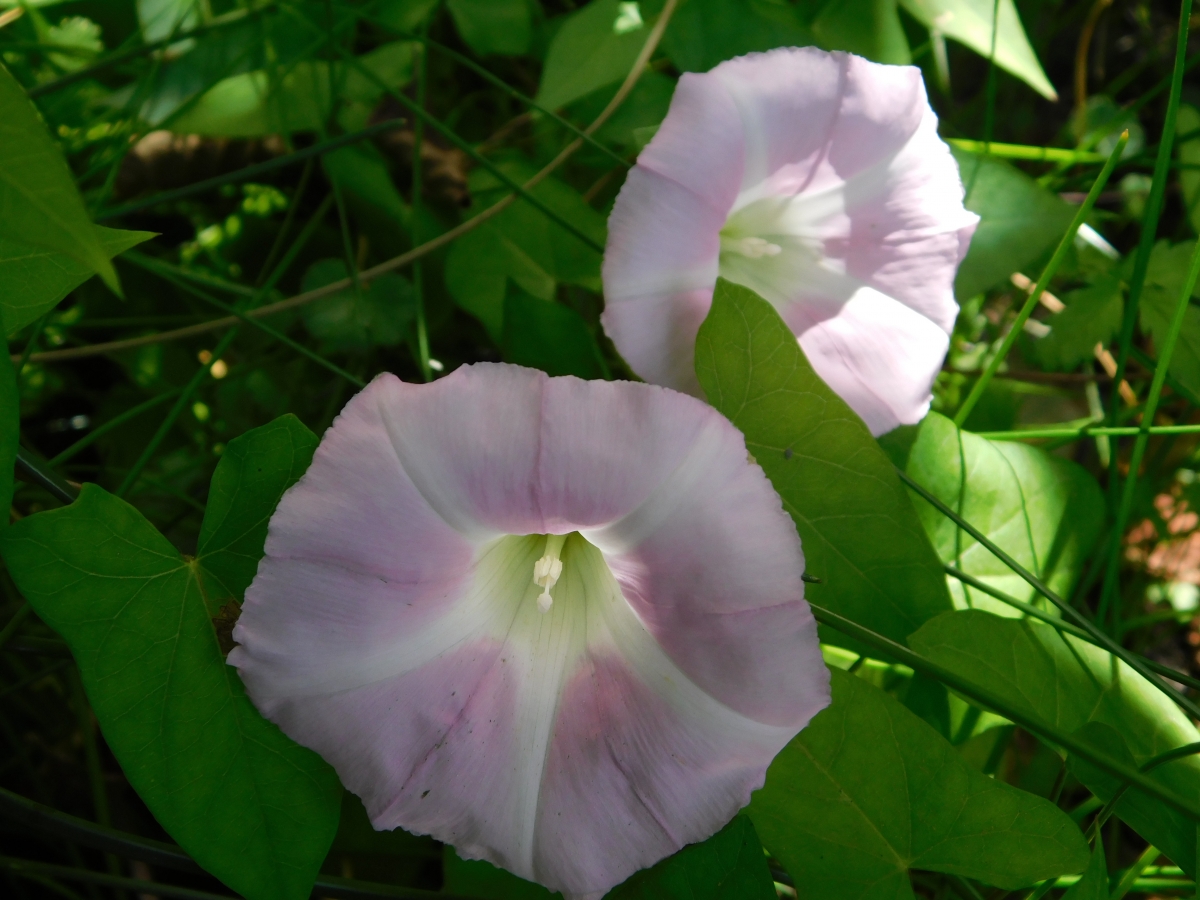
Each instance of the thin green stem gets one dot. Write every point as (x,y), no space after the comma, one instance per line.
(1148,766)
(168,423)
(249,172)
(225,21)
(108,426)
(483,73)
(1086,431)
(1066,627)
(1023,151)
(1108,591)
(450,135)
(149,264)
(987,698)
(1031,301)
(1098,636)
(1149,231)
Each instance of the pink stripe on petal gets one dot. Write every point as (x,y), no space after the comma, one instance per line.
(662,238)
(876,354)
(623,763)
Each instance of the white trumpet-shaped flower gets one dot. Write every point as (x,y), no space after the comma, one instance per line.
(556,623)
(817,180)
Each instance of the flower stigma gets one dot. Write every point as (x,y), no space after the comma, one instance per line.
(546,571)
(751,247)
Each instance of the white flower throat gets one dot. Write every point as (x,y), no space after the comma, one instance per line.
(548,569)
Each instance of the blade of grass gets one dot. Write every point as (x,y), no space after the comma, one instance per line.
(418,169)
(404,259)
(1031,301)
(1109,588)
(986,698)
(249,172)
(1098,636)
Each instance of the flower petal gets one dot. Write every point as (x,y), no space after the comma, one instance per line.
(572,747)
(839,166)
(875,353)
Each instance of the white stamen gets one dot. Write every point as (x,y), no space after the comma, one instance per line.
(753,247)
(546,571)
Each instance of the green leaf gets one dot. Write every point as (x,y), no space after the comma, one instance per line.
(379,315)
(542,334)
(162,18)
(252,807)
(868,791)
(1044,511)
(870,28)
(523,246)
(1068,683)
(405,15)
(1094,883)
(970,22)
(36,279)
(859,531)
(1160,295)
(589,51)
(493,26)
(703,33)
(1019,222)
(41,204)
(255,469)
(1187,121)
(730,865)
(1093,316)
(292,98)
(10,430)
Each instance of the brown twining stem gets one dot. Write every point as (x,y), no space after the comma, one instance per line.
(1081,51)
(396,262)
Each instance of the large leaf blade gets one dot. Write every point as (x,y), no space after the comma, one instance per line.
(868,790)
(1044,511)
(1070,684)
(252,807)
(39,203)
(859,531)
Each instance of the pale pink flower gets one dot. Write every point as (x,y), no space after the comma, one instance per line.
(817,180)
(556,623)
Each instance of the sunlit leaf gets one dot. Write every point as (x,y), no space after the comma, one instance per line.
(589,51)
(39,203)
(35,279)
(970,22)
(1044,511)
(1069,683)
(493,26)
(868,791)
(1165,278)
(869,28)
(703,33)
(1019,222)
(859,531)
(248,804)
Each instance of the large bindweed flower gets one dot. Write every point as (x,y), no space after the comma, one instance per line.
(556,623)
(817,180)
